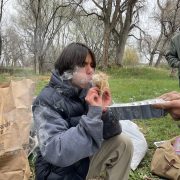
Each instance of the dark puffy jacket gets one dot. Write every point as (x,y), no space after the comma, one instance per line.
(68,130)
(173,52)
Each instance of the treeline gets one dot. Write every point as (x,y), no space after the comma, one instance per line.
(40,29)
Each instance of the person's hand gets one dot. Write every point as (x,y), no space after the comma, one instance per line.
(106,99)
(93,97)
(170,96)
(172,104)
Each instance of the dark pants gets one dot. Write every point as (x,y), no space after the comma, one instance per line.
(47,171)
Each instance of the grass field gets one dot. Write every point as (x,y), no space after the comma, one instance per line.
(133,84)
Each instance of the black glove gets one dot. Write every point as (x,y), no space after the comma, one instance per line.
(111,126)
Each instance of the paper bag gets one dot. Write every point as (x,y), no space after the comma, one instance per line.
(15,122)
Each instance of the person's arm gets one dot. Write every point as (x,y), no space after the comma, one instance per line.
(63,146)
(172,56)
(172,104)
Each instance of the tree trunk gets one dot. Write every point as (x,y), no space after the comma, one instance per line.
(155,48)
(35,64)
(154,51)
(120,50)
(162,51)
(121,45)
(41,64)
(159,38)
(123,34)
(106,46)
(158,60)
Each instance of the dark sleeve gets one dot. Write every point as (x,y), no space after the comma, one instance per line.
(172,56)
(111,125)
(42,167)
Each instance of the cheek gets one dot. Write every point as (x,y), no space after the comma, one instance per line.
(84,72)
(80,70)
(79,75)
(81,79)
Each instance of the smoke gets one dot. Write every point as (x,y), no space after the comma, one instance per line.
(67,75)
(78,77)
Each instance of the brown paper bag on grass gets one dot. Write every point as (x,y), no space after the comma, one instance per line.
(15,123)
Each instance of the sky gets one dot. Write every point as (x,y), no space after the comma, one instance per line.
(147,20)
(8,10)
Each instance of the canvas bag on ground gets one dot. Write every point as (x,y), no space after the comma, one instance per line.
(165,162)
(15,122)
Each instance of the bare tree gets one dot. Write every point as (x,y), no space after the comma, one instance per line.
(89,30)
(107,12)
(117,17)
(128,19)
(41,20)
(13,49)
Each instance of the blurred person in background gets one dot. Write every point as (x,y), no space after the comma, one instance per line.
(173,53)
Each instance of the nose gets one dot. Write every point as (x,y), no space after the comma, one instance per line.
(89,70)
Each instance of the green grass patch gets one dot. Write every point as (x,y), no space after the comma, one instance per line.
(134,84)
(138,72)
(135,89)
